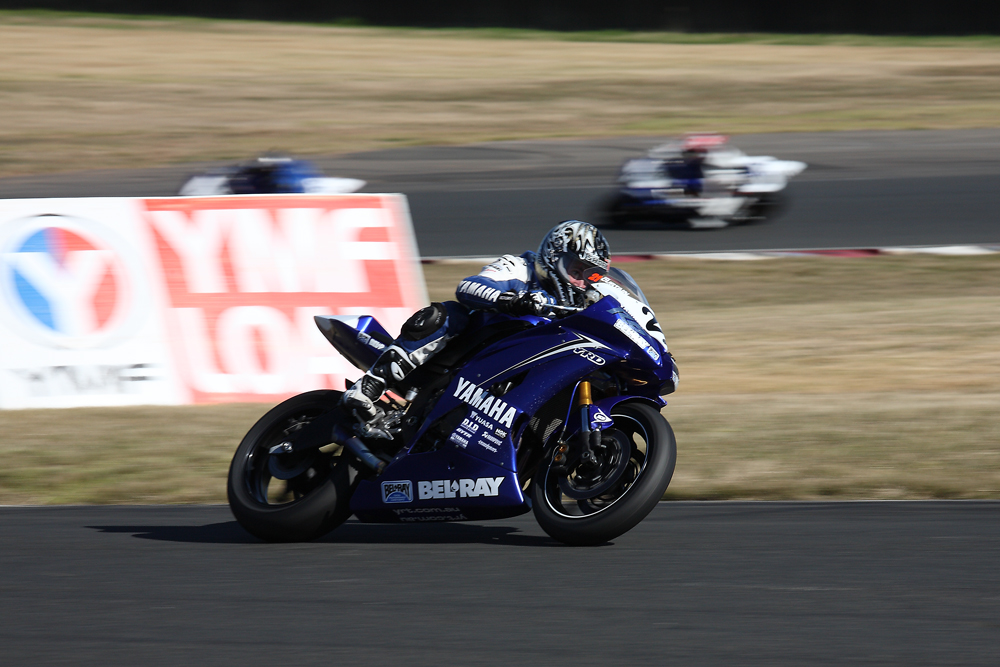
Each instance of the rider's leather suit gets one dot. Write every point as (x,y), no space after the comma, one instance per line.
(429,329)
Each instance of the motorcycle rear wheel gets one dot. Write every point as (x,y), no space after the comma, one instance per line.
(315,496)
(618,509)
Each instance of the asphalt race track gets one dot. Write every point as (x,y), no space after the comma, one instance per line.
(862,189)
(853,583)
(857,583)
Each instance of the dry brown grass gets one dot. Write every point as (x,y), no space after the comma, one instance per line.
(141,455)
(80,93)
(800,378)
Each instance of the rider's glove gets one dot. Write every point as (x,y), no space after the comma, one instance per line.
(523,303)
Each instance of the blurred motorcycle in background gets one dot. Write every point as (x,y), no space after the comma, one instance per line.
(267,174)
(702,182)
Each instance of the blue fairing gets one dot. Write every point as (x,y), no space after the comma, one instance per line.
(443,485)
(282,176)
(291,177)
(462,462)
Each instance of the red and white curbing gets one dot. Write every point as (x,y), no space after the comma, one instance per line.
(949,250)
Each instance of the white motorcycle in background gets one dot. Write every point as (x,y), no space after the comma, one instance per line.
(702,182)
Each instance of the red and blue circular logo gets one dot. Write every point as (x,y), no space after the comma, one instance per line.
(68,282)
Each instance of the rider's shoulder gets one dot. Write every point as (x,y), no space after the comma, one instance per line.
(507,267)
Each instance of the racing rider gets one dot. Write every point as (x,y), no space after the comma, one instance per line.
(572,256)
(689,170)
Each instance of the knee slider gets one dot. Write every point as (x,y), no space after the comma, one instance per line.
(424,322)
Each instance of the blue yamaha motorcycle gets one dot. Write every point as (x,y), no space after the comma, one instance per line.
(558,416)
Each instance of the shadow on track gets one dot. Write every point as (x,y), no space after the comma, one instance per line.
(228,532)
(352,532)
(355,532)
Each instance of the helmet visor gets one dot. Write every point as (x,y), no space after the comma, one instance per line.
(579,272)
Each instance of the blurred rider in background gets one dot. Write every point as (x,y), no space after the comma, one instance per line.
(571,258)
(271,174)
(689,169)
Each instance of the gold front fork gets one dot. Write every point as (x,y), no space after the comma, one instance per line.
(583,395)
(583,401)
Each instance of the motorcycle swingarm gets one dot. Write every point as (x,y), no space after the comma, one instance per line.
(311,435)
(322,430)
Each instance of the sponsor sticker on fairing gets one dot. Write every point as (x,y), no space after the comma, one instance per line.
(407,511)
(640,342)
(590,356)
(489,437)
(426,518)
(459,488)
(485,445)
(464,433)
(600,417)
(397,492)
(486,403)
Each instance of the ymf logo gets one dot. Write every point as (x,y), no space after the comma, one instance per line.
(67,281)
(245,275)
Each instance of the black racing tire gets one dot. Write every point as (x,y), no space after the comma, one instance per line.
(307,506)
(603,518)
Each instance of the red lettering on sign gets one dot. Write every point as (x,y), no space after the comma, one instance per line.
(245,275)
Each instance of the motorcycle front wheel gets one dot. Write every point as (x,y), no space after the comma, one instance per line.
(290,497)
(624,490)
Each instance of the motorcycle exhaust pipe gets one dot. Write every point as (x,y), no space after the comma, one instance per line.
(358,448)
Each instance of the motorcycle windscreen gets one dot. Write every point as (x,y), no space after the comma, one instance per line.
(627,283)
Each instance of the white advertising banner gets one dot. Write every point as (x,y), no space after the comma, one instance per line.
(112,301)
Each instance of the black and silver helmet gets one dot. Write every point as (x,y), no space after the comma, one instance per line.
(573,256)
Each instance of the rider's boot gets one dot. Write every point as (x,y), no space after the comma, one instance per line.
(360,398)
